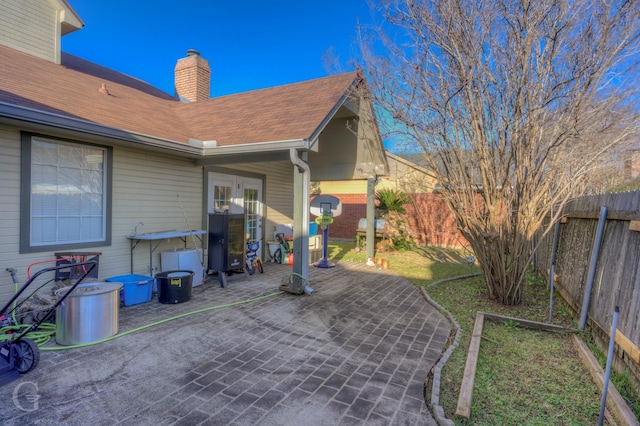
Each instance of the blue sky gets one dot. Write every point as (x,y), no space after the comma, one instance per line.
(250,44)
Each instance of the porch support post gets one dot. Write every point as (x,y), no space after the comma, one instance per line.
(371,215)
(301,205)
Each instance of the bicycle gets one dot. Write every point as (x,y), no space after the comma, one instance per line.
(252,259)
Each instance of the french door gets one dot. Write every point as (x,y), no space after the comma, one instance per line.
(237,194)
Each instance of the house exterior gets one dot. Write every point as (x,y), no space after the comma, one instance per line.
(89,156)
(428,216)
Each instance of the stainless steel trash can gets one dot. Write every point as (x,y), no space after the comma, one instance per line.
(89,314)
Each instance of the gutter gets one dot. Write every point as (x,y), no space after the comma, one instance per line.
(17,116)
(43,121)
(209,147)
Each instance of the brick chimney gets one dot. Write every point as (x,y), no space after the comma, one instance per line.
(192,78)
(632,164)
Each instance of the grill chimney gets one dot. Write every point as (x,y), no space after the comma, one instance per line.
(192,77)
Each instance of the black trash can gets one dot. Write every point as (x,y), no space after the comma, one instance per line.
(174,286)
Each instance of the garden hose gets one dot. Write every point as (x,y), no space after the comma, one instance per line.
(41,337)
(227,305)
(306,287)
(301,286)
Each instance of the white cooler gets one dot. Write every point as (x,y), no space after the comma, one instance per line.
(184,259)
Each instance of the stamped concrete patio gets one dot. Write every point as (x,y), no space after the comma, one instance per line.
(357,351)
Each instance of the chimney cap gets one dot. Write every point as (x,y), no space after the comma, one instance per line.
(192,52)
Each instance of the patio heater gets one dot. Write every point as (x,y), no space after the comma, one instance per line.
(325,208)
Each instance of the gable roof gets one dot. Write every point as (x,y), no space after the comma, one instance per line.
(282,113)
(72,90)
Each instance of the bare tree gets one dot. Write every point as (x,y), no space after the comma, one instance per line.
(513,104)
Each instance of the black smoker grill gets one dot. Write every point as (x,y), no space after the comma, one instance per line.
(227,247)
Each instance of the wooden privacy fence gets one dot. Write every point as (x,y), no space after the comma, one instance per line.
(617,270)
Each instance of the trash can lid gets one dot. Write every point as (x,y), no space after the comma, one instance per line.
(89,289)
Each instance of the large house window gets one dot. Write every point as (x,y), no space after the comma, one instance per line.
(65,194)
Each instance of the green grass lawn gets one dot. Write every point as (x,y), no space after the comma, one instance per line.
(523,377)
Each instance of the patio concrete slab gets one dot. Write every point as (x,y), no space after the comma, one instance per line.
(355,352)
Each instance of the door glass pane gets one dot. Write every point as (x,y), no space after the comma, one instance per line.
(251,213)
(221,198)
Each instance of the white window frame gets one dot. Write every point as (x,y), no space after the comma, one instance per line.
(60,170)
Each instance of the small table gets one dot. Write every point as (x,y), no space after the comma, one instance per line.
(159,236)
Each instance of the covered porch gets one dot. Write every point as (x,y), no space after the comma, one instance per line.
(345,145)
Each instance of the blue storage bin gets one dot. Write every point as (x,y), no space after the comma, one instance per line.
(313,229)
(135,288)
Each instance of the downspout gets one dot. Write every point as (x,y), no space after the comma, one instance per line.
(301,243)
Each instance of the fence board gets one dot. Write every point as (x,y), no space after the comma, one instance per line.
(617,277)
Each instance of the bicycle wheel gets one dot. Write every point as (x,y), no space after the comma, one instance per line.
(258,264)
(250,269)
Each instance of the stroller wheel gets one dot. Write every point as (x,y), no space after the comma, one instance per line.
(27,355)
(277,257)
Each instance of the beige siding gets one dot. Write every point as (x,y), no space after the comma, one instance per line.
(145,189)
(9,208)
(343,187)
(402,176)
(31,26)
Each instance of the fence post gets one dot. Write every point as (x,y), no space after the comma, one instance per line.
(552,268)
(607,374)
(592,267)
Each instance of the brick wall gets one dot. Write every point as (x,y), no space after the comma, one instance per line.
(428,216)
(432,222)
(354,207)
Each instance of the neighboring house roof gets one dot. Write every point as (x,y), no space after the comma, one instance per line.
(421,160)
(82,90)
(416,161)
(407,176)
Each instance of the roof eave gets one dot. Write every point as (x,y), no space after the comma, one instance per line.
(40,120)
(267,146)
(71,21)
